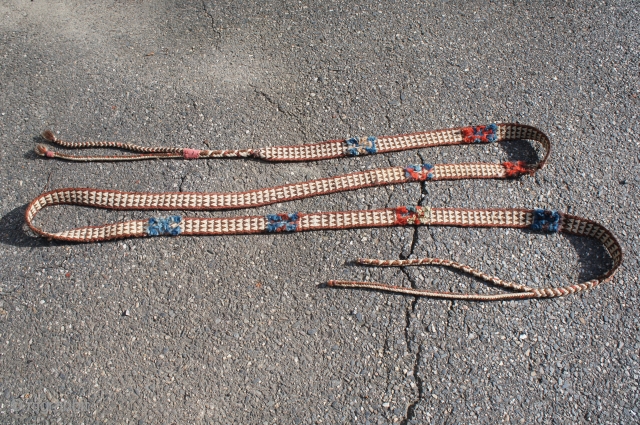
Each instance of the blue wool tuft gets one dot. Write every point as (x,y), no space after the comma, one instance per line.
(493,135)
(282,222)
(357,146)
(485,134)
(546,220)
(372,145)
(419,172)
(169,226)
(272,227)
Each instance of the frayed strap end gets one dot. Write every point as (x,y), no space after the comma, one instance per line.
(43,151)
(191,153)
(48,135)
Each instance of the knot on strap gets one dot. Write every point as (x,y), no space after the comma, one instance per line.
(191,153)
(480,134)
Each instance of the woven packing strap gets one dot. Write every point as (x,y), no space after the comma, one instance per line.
(174,225)
(354,146)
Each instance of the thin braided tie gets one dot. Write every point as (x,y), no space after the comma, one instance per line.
(340,148)
(144,152)
(521,291)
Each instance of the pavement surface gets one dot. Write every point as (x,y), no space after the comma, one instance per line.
(239,329)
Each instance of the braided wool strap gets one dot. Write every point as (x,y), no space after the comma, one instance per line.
(355,146)
(118,200)
(539,220)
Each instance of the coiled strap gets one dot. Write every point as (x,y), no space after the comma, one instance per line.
(174,225)
(355,146)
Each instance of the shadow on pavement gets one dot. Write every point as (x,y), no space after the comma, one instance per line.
(14,231)
(594,259)
(520,150)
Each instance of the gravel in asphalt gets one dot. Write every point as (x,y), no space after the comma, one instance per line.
(239,329)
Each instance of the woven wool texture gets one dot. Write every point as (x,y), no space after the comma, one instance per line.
(540,220)
(309,152)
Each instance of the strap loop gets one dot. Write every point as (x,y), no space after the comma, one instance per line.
(571,224)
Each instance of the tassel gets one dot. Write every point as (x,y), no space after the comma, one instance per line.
(42,150)
(48,135)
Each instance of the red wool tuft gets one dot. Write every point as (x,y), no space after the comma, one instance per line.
(516,169)
(191,153)
(402,215)
(467,132)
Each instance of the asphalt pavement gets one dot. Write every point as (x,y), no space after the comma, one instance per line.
(240,329)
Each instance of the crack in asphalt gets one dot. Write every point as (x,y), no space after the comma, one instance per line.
(410,310)
(281,109)
(217,32)
(411,410)
(182,179)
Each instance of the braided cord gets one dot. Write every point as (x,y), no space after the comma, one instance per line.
(355,146)
(521,291)
(445,263)
(145,152)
